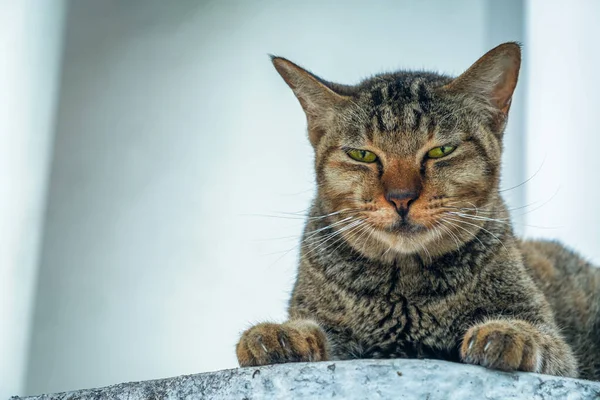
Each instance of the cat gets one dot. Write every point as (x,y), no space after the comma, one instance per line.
(408,249)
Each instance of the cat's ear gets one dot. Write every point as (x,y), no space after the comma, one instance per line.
(493,78)
(318,98)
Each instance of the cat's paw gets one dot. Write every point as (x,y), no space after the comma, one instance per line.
(501,345)
(293,341)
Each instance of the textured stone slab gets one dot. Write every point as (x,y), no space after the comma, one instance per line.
(359,379)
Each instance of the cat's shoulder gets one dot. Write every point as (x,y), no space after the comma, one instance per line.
(551,257)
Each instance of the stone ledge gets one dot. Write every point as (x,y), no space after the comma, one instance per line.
(357,379)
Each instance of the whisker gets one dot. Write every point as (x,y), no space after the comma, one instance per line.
(541,205)
(425,249)
(336,233)
(505,221)
(311,233)
(314,232)
(366,229)
(528,179)
(369,235)
(288,215)
(340,239)
(361,228)
(345,210)
(452,234)
(480,227)
(480,218)
(473,234)
(305,242)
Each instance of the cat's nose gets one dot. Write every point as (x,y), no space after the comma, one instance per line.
(401,200)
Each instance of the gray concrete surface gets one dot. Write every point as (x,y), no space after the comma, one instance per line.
(358,379)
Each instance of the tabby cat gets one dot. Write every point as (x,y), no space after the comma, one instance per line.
(408,250)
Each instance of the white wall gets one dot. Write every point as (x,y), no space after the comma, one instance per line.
(563,133)
(30,38)
(172,127)
(505,22)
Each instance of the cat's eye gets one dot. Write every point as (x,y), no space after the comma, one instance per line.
(440,152)
(362,155)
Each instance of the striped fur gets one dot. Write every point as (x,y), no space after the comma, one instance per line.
(440,275)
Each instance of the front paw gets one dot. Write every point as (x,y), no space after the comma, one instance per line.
(501,345)
(293,341)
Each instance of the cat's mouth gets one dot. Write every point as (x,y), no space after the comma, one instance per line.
(404,226)
(395,224)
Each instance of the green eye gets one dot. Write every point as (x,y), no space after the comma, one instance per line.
(362,155)
(440,152)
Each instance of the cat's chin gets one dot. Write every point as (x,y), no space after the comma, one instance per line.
(391,241)
(402,227)
(402,237)
(408,239)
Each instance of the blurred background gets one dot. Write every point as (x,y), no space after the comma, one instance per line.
(154,168)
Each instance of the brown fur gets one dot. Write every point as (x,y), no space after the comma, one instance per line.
(413,256)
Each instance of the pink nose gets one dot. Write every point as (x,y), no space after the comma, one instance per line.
(401,200)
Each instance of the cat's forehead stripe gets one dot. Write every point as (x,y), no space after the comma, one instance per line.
(398,107)
(398,104)
(401,113)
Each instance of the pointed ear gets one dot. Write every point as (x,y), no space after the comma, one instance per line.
(318,98)
(493,78)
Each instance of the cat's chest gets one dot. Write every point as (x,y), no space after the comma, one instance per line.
(405,311)
(397,326)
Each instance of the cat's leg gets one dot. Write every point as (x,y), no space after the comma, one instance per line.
(512,344)
(293,341)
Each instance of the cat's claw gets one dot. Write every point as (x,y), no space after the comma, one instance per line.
(501,345)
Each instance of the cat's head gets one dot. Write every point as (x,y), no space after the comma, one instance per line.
(401,155)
